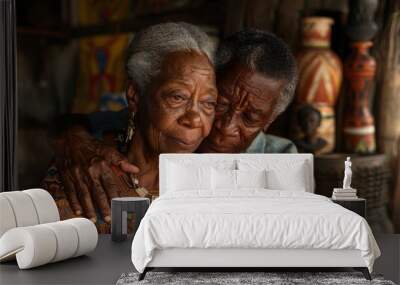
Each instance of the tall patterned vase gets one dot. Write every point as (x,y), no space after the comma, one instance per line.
(320,75)
(359,130)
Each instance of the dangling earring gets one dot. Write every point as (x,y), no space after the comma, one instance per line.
(133,181)
(131,127)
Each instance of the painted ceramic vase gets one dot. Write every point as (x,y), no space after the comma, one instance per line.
(320,75)
(359,129)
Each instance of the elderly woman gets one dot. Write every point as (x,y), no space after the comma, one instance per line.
(171,95)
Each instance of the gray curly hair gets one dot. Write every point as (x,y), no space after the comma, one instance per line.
(265,53)
(150,46)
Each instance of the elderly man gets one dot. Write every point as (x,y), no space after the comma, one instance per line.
(171,94)
(256,79)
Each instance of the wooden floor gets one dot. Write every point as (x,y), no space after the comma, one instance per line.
(110,260)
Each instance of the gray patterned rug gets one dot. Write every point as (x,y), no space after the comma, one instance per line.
(269,278)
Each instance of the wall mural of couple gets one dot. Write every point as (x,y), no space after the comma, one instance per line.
(183,96)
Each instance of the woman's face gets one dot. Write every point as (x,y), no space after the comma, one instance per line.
(180,106)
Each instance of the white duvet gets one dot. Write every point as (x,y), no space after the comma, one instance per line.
(253,218)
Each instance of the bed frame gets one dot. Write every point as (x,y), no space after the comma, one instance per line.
(246,259)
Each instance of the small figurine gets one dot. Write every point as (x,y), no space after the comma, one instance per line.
(309,119)
(347,174)
(347,192)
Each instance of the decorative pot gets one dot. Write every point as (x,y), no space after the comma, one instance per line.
(320,76)
(359,129)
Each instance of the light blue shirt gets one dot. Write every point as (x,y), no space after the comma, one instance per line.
(264,143)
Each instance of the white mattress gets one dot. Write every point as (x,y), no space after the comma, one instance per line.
(256,218)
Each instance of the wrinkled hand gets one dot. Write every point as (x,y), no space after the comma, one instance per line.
(92,173)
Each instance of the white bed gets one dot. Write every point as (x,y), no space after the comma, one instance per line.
(201,220)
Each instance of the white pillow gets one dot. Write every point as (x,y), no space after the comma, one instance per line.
(227,179)
(251,179)
(183,177)
(223,179)
(283,174)
(296,180)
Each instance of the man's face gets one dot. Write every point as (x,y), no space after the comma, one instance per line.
(245,106)
(181,104)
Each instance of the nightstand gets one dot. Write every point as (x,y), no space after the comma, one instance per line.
(357,205)
(120,207)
